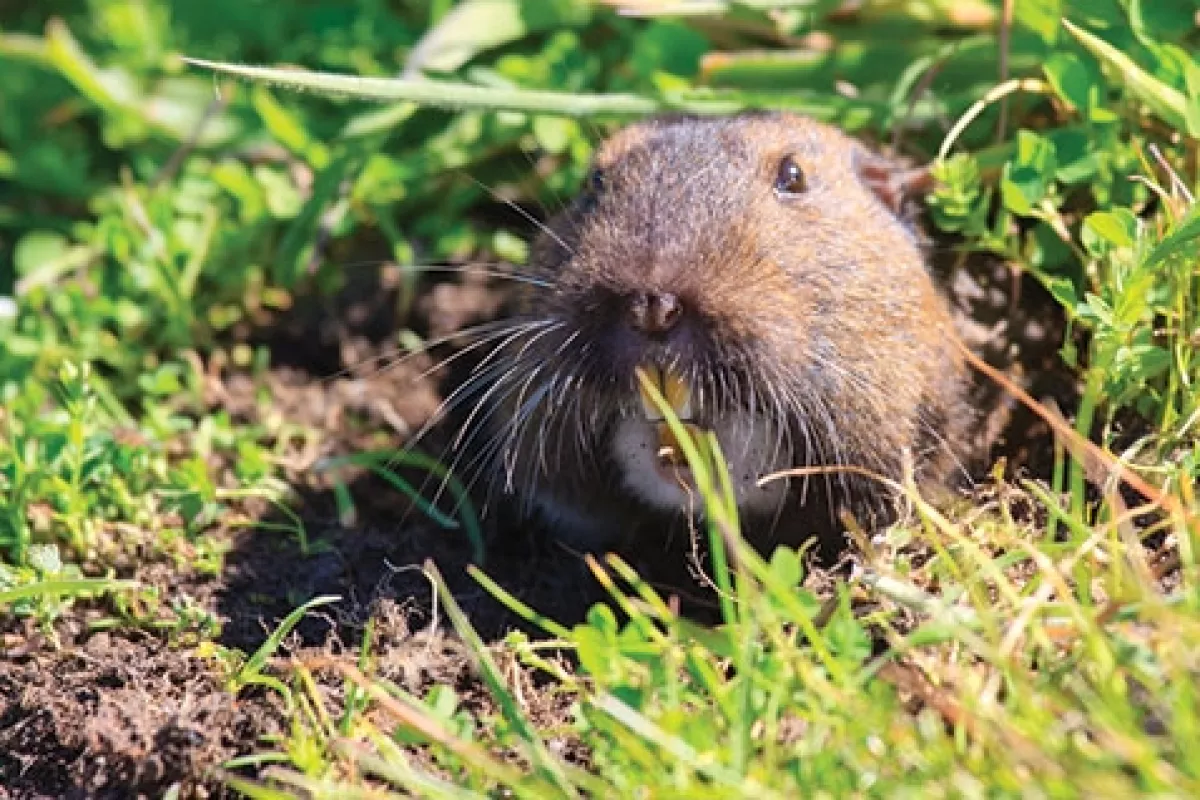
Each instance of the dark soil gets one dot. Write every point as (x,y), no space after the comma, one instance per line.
(87,712)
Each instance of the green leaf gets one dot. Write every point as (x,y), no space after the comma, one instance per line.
(1063,290)
(477,25)
(282,195)
(1158,19)
(1071,78)
(1076,153)
(1168,103)
(1039,16)
(384,464)
(1027,178)
(111,91)
(166,381)
(554,134)
(786,566)
(668,47)
(287,128)
(846,635)
(38,248)
(1116,228)
(1182,236)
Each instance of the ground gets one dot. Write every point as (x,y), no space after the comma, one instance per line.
(91,709)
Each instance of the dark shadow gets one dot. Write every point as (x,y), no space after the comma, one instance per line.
(1016,326)
(335,365)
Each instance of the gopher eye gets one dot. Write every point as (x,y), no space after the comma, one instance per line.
(593,186)
(790,179)
(595,181)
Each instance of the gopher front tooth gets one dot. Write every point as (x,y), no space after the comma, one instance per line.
(648,406)
(678,395)
(672,387)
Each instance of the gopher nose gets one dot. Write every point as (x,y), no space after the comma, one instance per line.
(654,313)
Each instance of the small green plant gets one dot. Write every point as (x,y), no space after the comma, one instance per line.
(45,587)
(245,671)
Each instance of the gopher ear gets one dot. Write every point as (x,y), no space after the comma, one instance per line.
(895,184)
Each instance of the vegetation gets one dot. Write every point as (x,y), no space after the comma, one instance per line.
(157,216)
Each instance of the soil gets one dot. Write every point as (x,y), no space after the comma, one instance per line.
(89,709)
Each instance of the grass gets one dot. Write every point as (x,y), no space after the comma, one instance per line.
(1038,638)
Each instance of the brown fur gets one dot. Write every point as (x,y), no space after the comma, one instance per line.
(818,308)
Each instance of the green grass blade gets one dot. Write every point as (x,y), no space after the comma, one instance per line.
(254,665)
(544,761)
(516,606)
(456,95)
(445,94)
(1182,235)
(381,461)
(77,586)
(1165,101)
